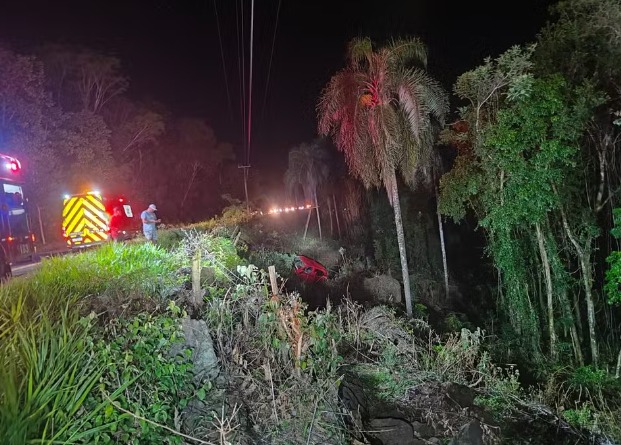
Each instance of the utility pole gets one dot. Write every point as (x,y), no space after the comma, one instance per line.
(246,167)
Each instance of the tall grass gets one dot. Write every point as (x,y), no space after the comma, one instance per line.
(48,362)
(47,369)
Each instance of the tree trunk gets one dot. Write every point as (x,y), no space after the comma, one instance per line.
(584,254)
(336,216)
(310,212)
(330,213)
(442,246)
(573,330)
(318,217)
(396,205)
(549,292)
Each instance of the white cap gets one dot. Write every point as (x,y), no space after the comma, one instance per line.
(152,206)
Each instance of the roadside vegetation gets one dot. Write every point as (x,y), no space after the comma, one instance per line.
(92,352)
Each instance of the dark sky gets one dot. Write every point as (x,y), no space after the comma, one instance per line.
(171,49)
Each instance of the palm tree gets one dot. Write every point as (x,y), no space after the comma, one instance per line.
(382,110)
(308,168)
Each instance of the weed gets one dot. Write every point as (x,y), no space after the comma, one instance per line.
(137,355)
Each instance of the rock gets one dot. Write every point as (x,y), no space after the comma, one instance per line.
(391,431)
(469,434)
(423,430)
(462,395)
(208,276)
(383,289)
(197,338)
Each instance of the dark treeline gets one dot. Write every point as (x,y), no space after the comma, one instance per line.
(67,113)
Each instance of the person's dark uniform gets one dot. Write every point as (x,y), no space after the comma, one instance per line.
(115,224)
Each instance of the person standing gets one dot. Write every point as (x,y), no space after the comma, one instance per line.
(148,223)
(114,225)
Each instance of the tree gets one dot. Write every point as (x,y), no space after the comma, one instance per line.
(82,79)
(308,168)
(134,129)
(382,111)
(584,44)
(26,117)
(183,171)
(519,167)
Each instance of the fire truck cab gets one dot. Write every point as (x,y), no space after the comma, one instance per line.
(16,236)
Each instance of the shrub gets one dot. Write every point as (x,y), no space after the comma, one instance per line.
(150,382)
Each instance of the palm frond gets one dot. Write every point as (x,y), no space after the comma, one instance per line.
(383,113)
(422,98)
(359,50)
(407,52)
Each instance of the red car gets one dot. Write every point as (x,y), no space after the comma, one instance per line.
(309,270)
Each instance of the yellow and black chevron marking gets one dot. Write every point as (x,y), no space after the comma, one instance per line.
(85,220)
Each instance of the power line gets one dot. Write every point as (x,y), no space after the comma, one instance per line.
(241,66)
(250,83)
(226,81)
(269,69)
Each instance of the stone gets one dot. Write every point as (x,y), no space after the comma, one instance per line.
(462,395)
(391,431)
(469,434)
(423,430)
(204,359)
(383,289)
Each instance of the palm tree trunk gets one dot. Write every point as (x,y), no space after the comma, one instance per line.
(443,247)
(548,281)
(336,215)
(396,205)
(318,217)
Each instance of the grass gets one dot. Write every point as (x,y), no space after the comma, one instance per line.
(48,364)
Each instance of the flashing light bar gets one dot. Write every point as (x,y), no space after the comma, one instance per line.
(13,164)
(275,210)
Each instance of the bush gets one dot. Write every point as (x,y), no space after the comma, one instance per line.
(282,262)
(149,381)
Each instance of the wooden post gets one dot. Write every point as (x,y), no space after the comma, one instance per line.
(310,211)
(273,282)
(197,293)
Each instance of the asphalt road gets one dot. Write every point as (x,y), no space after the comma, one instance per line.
(25,268)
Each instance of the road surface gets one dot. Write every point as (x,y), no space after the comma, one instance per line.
(23,269)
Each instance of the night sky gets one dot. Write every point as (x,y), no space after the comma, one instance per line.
(171,50)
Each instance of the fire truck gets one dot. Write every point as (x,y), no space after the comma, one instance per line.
(86,219)
(16,236)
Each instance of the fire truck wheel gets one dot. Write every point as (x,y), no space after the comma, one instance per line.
(5,272)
